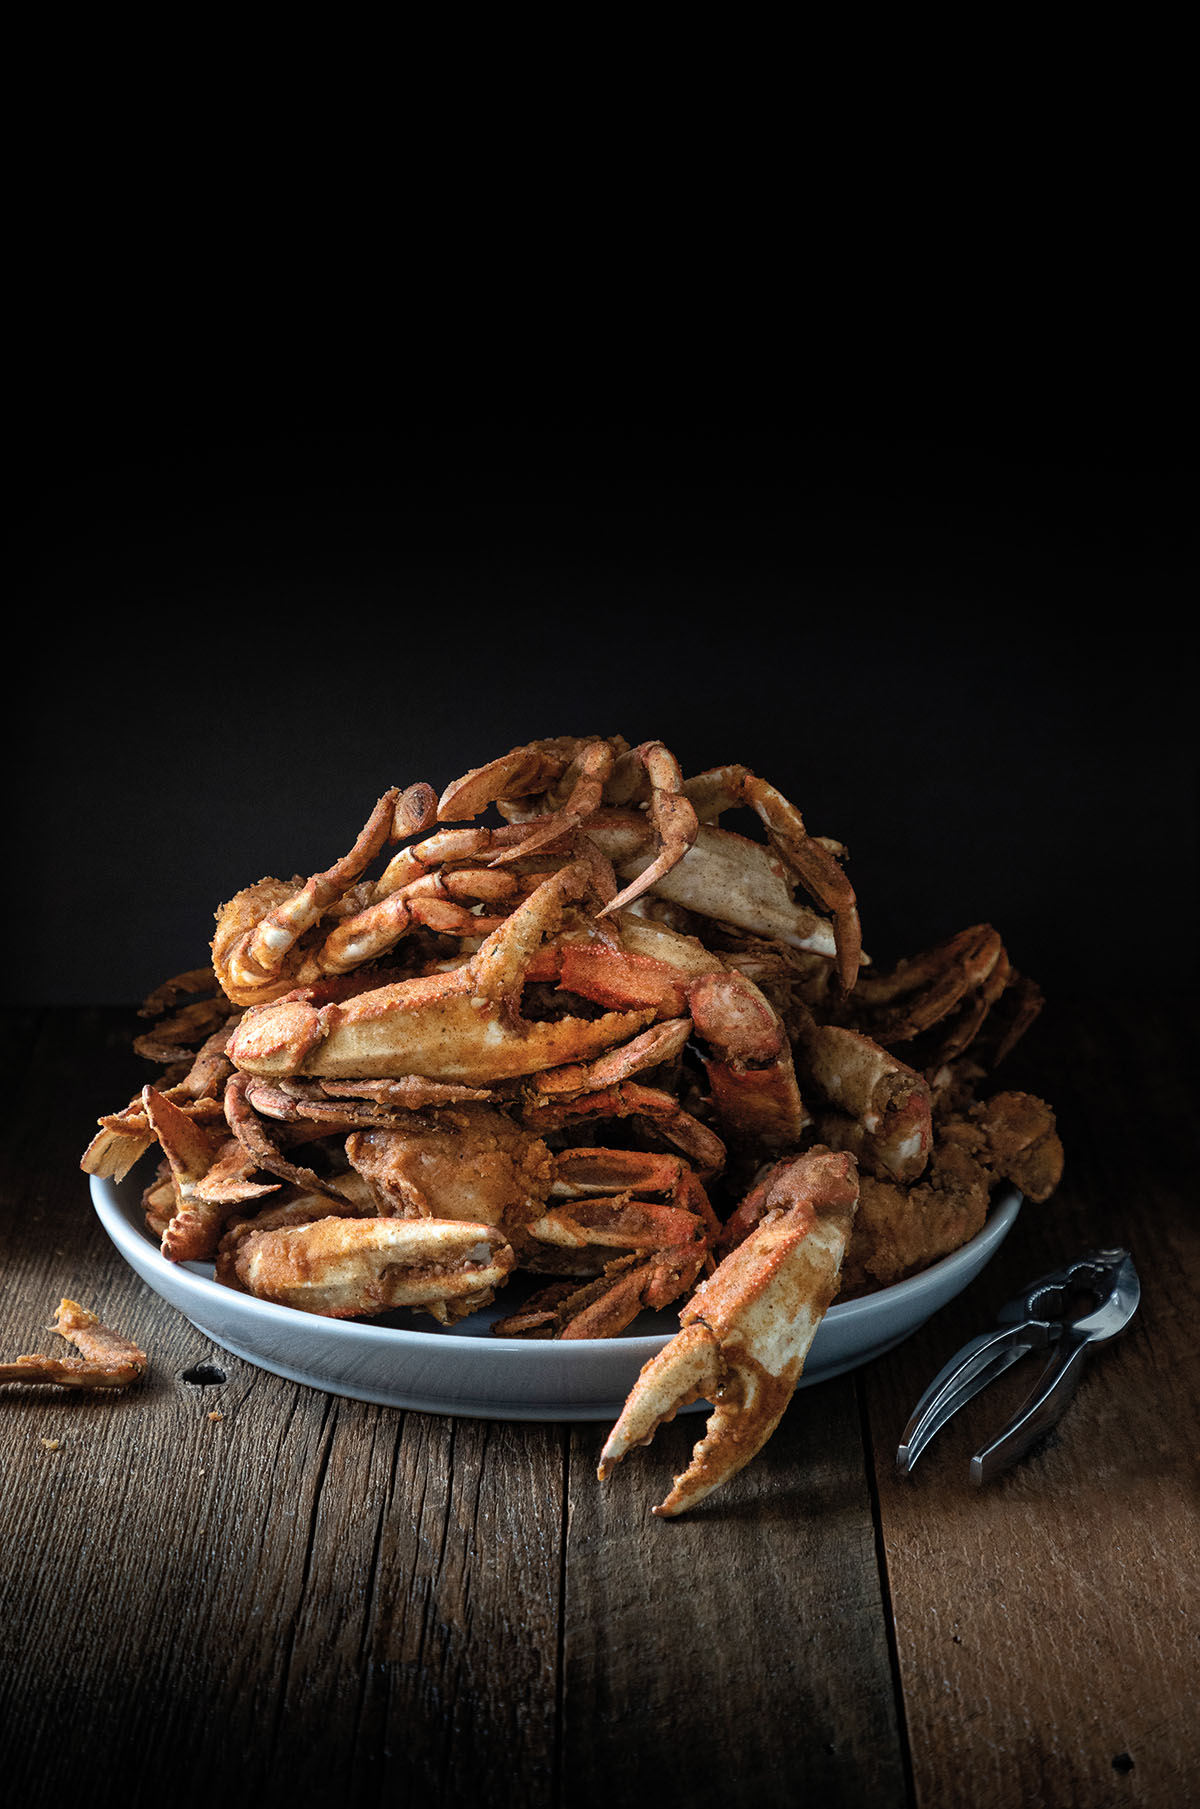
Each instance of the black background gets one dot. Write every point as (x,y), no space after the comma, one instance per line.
(953,621)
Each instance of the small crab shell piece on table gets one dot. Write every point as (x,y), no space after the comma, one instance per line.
(106,1358)
(747,1330)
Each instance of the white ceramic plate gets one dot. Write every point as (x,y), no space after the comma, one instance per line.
(407,1360)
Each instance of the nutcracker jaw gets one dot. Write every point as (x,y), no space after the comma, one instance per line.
(1038,1319)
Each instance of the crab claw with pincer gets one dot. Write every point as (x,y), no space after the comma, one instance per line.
(463,1025)
(747,1330)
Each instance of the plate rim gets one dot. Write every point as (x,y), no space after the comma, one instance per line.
(111,1210)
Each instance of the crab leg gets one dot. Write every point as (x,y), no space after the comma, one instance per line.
(665,1245)
(749,1059)
(965,975)
(722,876)
(621,1224)
(521,773)
(814,860)
(881,1108)
(252,944)
(750,1068)
(652,1274)
(569,780)
(356,1105)
(251,1134)
(444,848)
(649,1049)
(174,1038)
(607,1306)
(672,816)
(586,776)
(434,899)
(747,1330)
(629,1099)
(168,992)
(124,1137)
(734,880)
(208,1176)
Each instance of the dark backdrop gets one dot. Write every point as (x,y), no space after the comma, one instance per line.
(963,645)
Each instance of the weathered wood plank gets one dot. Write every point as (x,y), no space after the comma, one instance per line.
(426,1635)
(739,1653)
(1046,1625)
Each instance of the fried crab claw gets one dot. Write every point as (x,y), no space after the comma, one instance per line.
(350,1268)
(460,1025)
(870,1102)
(746,1331)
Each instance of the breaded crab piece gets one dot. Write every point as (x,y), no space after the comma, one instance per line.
(747,1330)
(871,1102)
(106,1359)
(960,995)
(354,1268)
(747,884)
(623,1252)
(210,1174)
(463,1025)
(474,1164)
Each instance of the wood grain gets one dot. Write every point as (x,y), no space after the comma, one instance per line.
(738,1653)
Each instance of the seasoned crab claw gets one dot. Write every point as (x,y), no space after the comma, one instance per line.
(873,1103)
(462,1025)
(747,1330)
(351,1268)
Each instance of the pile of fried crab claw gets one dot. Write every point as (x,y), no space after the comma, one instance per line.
(605,1039)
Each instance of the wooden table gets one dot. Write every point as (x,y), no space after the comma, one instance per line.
(244,1584)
